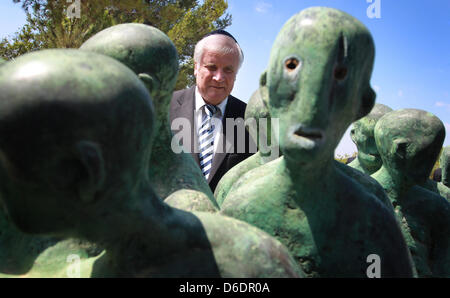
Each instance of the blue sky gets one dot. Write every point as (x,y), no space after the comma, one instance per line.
(412,38)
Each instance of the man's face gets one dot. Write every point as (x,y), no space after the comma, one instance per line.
(216,72)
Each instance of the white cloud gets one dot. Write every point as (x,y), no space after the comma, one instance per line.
(262,7)
(400,93)
(442,104)
(376,88)
(447,128)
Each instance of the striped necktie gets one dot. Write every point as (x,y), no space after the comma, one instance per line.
(206,139)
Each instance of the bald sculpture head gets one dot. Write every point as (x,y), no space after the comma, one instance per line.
(147,51)
(444,161)
(75,126)
(319,81)
(409,142)
(362,136)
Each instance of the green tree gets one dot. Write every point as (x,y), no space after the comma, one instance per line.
(184,21)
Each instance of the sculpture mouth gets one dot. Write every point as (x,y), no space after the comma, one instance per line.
(314,135)
(307,137)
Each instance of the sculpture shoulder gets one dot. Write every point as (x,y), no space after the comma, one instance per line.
(244,251)
(444,191)
(258,176)
(358,193)
(260,197)
(191,200)
(356,184)
(262,172)
(437,187)
(233,175)
(377,225)
(428,203)
(369,183)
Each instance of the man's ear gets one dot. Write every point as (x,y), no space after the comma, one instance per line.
(149,81)
(195,69)
(367,103)
(91,158)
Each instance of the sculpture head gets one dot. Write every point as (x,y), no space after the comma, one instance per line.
(444,161)
(319,81)
(362,136)
(409,142)
(76,133)
(147,51)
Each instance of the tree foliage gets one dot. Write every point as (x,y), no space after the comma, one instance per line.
(184,21)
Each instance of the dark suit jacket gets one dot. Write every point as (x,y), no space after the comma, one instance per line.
(183,106)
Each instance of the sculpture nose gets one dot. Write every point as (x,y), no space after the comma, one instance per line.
(313,103)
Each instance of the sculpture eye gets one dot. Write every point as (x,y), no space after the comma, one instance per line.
(291,64)
(340,72)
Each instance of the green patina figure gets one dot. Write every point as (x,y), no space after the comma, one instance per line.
(368,160)
(257,110)
(444,185)
(25,255)
(368,183)
(409,142)
(153,57)
(318,82)
(190,200)
(77,132)
(441,188)
(445,166)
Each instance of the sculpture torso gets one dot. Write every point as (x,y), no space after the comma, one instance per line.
(424,217)
(211,246)
(325,235)
(227,181)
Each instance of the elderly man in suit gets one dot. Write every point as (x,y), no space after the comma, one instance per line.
(217,137)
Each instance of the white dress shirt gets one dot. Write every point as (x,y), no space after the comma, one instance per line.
(216,120)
